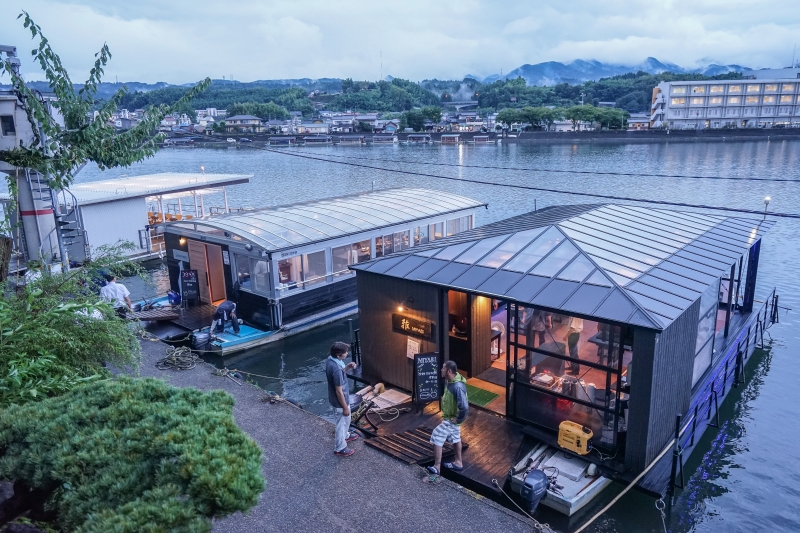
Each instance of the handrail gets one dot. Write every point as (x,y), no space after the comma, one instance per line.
(282,287)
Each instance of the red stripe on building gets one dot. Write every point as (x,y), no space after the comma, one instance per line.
(36,212)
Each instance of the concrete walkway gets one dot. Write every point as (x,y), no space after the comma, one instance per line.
(309,489)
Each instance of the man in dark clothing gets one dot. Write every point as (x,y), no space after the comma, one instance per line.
(339,397)
(455,408)
(224,312)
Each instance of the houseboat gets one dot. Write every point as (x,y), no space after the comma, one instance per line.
(418,138)
(352,140)
(282,140)
(384,139)
(287,267)
(482,139)
(605,320)
(451,138)
(314,140)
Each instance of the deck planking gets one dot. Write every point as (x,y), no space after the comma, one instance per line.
(195,317)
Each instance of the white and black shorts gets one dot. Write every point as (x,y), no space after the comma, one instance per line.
(446,431)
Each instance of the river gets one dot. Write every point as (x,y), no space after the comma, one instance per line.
(744,476)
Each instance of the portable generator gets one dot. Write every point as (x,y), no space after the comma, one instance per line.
(574,437)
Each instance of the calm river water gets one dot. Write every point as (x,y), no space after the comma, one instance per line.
(745,476)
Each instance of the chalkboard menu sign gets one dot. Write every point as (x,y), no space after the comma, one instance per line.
(189,285)
(426,377)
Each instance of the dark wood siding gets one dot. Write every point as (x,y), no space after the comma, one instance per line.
(661,387)
(383,349)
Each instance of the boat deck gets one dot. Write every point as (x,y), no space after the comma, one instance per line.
(495,444)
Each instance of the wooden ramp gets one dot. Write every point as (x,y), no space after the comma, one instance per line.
(412,447)
(157,314)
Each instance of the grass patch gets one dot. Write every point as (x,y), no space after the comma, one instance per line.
(478,396)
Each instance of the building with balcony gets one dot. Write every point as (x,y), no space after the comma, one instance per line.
(753,102)
(244,124)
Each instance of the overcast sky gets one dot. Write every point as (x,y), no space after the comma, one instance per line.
(180,41)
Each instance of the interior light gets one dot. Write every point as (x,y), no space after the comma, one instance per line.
(400,309)
(182,241)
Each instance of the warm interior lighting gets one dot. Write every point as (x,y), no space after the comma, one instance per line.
(400,309)
(182,241)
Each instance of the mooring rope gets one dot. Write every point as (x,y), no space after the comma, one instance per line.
(180,358)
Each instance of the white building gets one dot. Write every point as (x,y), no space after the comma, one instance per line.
(753,102)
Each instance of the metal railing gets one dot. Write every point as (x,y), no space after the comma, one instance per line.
(304,284)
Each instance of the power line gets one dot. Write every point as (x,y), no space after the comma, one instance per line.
(566,171)
(542,189)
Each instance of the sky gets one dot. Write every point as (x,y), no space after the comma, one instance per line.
(181,41)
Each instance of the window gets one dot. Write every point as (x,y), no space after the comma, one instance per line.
(362,251)
(243,270)
(715,100)
(678,101)
(787,99)
(387,244)
(260,275)
(402,240)
(436,231)
(717,89)
(698,101)
(734,89)
(699,89)
(7,125)
(314,270)
(341,258)
(769,99)
(679,90)
(704,346)
(290,272)
(734,99)
(751,100)
(770,87)
(787,87)
(753,88)
(420,235)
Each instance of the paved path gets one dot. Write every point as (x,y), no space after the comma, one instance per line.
(308,489)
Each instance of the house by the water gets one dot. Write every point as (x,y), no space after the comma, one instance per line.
(614,318)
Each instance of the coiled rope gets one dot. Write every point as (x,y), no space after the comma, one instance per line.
(178,358)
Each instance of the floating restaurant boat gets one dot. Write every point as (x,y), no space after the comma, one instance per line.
(287,267)
(582,328)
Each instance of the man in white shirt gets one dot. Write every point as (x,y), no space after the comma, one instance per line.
(117,295)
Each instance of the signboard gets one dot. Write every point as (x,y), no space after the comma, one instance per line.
(180,255)
(226,258)
(412,326)
(190,288)
(412,348)
(426,377)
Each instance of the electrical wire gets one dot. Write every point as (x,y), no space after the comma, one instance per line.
(544,189)
(567,171)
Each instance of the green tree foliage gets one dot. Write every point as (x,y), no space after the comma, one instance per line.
(266,111)
(581,113)
(413,119)
(80,139)
(128,455)
(432,113)
(55,333)
(223,96)
(397,95)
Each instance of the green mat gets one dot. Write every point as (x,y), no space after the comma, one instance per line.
(479,396)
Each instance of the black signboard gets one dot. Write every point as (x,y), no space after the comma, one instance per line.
(412,326)
(189,285)
(426,377)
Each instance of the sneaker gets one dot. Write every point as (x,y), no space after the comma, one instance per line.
(352,437)
(347,452)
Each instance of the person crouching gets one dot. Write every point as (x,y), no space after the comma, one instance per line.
(455,408)
(224,312)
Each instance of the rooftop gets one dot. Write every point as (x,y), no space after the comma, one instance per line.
(281,227)
(629,264)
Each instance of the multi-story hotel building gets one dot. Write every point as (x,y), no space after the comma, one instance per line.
(763,99)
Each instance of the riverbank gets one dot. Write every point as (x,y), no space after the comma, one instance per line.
(308,489)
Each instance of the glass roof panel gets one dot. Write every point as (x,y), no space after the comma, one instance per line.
(694,275)
(427,253)
(363,220)
(586,299)
(451,252)
(554,262)
(534,252)
(597,278)
(658,220)
(675,280)
(695,266)
(555,293)
(668,286)
(646,226)
(473,278)
(310,219)
(610,267)
(627,241)
(577,270)
(506,250)
(659,295)
(268,222)
(632,228)
(655,306)
(616,249)
(480,249)
(595,252)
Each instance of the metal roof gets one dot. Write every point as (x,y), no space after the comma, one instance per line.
(94,192)
(281,227)
(630,264)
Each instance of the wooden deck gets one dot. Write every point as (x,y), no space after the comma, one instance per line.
(412,446)
(494,445)
(195,317)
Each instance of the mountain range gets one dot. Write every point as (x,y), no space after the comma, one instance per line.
(579,71)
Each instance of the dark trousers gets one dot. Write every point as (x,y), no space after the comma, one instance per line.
(219,324)
(122,312)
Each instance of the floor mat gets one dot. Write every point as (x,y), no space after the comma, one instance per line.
(478,396)
(493,375)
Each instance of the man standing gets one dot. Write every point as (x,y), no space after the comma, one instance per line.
(339,397)
(455,408)
(224,312)
(116,294)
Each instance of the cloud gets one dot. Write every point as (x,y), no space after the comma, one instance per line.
(182,41)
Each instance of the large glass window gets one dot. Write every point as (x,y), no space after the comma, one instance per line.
(753,88)
(678,101)
(734,89)
(260,270)
(362,251)
(436,231)
(715,100)
(341,258)
(769,99)
(402,240)
(787,99)
(568,368)
(420,235)
(290,272)
(751,100)
(704,347)
(699,89)
(679,90)
(734,99)
(717,89)
(698,100)
(314,270)
(378,246)
(787,87)
(243,271)
(770,87)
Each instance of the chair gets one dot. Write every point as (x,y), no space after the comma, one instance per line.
(189,217)
(178,217)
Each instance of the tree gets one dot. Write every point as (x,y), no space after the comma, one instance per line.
(128,455)
(432,113)
(580,113)
(413,119)
(264,111)
(508,117)
(80,139)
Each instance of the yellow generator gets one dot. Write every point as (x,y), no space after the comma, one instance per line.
(574,437)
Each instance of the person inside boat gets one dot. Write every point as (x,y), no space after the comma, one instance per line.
(224,312)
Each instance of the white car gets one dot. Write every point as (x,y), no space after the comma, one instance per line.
(231,140)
